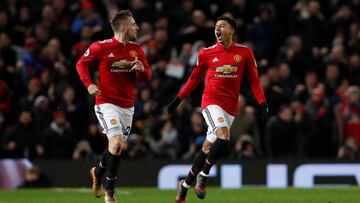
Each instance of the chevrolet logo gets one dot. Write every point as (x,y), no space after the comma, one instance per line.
(123,63)
(226,69)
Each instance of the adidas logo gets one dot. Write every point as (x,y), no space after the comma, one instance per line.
(111,55)
(215,59)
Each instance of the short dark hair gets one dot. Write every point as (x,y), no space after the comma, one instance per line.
(117,18)
(229,19)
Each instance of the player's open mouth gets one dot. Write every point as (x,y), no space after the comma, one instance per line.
(218,35)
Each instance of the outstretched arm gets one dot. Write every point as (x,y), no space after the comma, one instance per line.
(193,81)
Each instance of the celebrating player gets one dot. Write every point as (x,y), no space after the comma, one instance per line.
(224,63)
(121,63)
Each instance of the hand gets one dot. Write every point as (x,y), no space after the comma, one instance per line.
(263,111)
(93,90)
(171,107)
(137,65)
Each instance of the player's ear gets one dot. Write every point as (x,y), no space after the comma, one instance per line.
(232,31)
(122,28)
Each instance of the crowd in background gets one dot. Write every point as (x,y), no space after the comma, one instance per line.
(308,58)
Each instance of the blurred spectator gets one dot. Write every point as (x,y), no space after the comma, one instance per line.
(245,124)
(30,59)
(22,26)
(27,101)
(22,138)
(354,39)
(321,140)
(297,58)
(4,21)
(34,178)
(308,22)
(348,115)
(281,135)
(264,34)
(196,136)
(58,139)
(42,113)
(85,40)
(7,51)
(165,147)
(276,93)
(83,151)
(87,16)
(286,79)
(145,33)
(244,148)
(71,106)
(303,91)
(332,80)
(348,151)
(96,139)
(5,105)
(199,28)
(354,70)
(136,147)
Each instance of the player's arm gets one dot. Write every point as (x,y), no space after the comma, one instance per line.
(142,66)
(88,60)
(196,76)
(255,85)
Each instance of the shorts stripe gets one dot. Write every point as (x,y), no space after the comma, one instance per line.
(227,120)
(101,116)
(123,126)
(209,118)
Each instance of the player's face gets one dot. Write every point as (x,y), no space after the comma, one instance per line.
(223,31)
(131,29)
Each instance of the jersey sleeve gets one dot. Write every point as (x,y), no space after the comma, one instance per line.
(86,61)
(146,75)
(253,78)
(195,77)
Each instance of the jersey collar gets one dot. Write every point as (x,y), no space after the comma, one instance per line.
(117,41)
(222,46)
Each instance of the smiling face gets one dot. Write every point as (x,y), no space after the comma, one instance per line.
(223,32)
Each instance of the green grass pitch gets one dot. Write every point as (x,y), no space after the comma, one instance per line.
(153,195)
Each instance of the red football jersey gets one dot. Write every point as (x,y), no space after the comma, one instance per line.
(224,68)
(117,84)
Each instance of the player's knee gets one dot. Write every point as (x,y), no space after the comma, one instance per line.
(115,145)
(206,148)
(223,133)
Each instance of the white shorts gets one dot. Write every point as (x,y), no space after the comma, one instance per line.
(215,118)
(114,120)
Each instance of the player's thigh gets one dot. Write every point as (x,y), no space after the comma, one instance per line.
(125,117)
(114,120)
(216,118)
